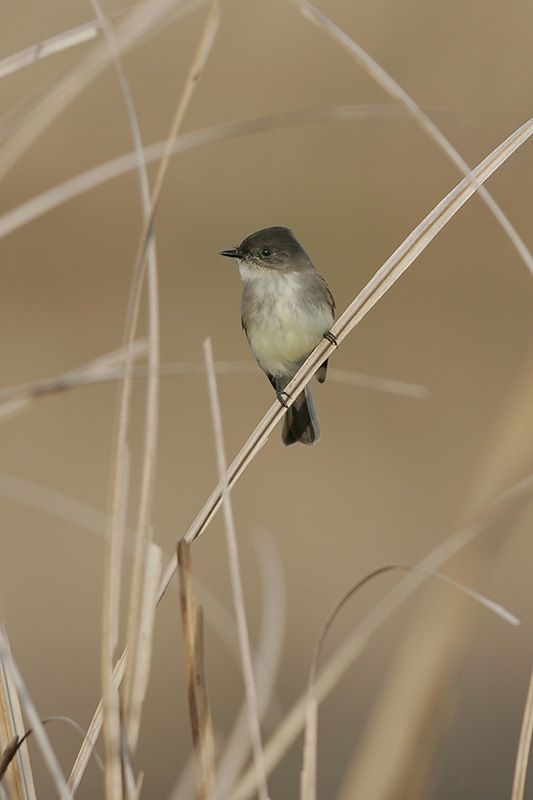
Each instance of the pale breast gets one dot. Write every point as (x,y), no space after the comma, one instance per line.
(285,316)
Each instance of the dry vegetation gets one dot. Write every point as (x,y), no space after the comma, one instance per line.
(411,708)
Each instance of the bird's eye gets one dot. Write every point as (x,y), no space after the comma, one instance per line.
(266,252)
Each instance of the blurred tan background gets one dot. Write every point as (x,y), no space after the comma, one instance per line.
(391,476)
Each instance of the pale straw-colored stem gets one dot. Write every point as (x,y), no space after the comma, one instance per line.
(236,579)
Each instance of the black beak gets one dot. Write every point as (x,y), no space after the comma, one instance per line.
(235,253)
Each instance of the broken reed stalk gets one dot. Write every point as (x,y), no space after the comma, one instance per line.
(34,719)
(193,641)
(19,778)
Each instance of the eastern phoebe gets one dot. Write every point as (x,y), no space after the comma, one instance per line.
(286,309)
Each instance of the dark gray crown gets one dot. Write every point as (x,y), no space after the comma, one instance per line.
(278,239)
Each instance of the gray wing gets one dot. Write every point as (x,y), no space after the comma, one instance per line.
(322,371)
(331,300)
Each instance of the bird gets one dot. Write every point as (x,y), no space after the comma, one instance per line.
(286,310)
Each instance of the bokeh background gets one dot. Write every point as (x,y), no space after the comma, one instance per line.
(391,477)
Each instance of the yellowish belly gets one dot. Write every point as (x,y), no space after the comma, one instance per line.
(284,338)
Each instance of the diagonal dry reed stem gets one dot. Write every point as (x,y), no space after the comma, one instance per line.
(309,761)
(54,44)
(394,90)
(93,732)
(48,47)
(498,514)
(14,399)
(415,243)
(42,203)
(101,369)
(374,290)
(142,20)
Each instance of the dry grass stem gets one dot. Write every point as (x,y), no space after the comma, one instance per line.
(93,521)
(107,369)
(487,603)
(509,449)
(101,369)
(131,786)
(185,784)
(93,732)
(193,640)
(48,47)
(135,680)
(384,766)
(51,46)
(152,575)
(77,727)
(146,249)
(34,719)
(394,90)
(18,742)
(415,696)
(19,777)
(382,281)
(311,723)
(141,20)
(90,179)
(50,501)
(266,660)
(7,755)
(350,650)
(11,408)
(195,71)
(110,630)
(378,383)
(79,514)
(236,581)
(146,567)
(524,747)
(384,278)
(308,776)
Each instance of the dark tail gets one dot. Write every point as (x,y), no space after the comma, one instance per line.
(301,422)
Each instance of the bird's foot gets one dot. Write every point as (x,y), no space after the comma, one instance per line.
(283,398)
(331,338)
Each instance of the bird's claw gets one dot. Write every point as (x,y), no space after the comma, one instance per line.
(283,397)
(331,338)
